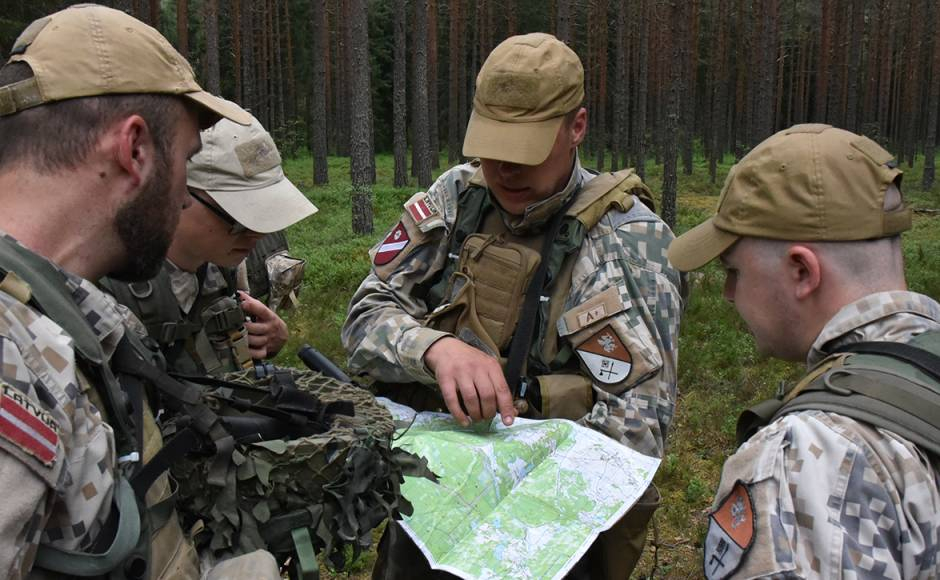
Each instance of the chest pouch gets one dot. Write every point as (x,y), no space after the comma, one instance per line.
(486,292)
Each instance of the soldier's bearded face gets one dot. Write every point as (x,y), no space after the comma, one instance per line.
(145,224)
(517,186)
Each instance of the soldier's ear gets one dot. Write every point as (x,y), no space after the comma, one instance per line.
(578,126)
(803,270)
(134,150)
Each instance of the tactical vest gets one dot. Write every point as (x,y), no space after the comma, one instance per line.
(145,535)
(480,291)
(210,339)
(895,386)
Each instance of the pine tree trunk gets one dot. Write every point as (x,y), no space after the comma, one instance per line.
(318,116)
(620,125)
(455,80)
(155,14)
(213,78)
(642,81)
(434,136)
(360,162)
(399,103)
(182,27)
(421,144)
(563,21)
(933,107)
(672,124)
(237,52)
(822,74)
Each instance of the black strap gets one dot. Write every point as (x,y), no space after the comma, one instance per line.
(522,337)
(172,451)
(923,360)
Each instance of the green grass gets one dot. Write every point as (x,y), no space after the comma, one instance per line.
(720,373)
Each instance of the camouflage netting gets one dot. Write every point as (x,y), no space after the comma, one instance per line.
(339,484)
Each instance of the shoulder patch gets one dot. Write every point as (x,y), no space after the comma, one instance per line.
(393,244)
(424,211)
(27,425)
(730,533)
(605,356)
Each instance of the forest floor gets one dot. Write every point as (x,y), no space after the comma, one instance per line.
(720,373)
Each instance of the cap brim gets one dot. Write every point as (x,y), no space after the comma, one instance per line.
(699,246)
(268,209)
(218,107)
(524,143)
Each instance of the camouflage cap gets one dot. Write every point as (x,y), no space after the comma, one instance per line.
(88,50)
(240,168)
(524,89)
(807,183)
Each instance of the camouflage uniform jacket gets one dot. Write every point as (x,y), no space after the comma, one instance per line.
(819,495)
(55,449)
(384,334)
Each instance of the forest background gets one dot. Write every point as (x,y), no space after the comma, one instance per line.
(368,101)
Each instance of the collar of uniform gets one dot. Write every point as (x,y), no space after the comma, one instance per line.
(538,214)
(185,286)
(894,316)
(99,309)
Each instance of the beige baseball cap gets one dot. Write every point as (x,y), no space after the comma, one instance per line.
(810,182)
(240,168)
(524,89)
(88,50)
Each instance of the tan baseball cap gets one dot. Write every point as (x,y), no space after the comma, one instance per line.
(240,168)
(88,50)
(807,183)
(524,89)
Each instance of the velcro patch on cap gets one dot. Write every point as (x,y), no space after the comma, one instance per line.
(605,356)
(258,155)
(27,425)
(730,533)
(393,244)
(513,89)
(872,150)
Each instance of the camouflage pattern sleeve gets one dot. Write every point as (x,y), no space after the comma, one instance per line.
(623,324)
(53,437)
(383,332)
(819,495)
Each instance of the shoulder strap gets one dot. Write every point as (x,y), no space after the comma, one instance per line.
(894,386)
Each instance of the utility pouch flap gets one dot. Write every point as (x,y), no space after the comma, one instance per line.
(500,272)
(459,316)
(565,396)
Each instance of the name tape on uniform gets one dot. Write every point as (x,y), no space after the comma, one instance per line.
(27,425)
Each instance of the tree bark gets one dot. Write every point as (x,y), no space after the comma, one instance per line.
(933,107)
(360,162)
(455,80)
(182,27)
(639,132)
(399,103)
(671,126)
(213,79)
(433,136)
(422,145)
(318,113)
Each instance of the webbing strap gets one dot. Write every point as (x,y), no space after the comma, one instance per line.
(307,567)
(923,360)
(72,563)
(525,328)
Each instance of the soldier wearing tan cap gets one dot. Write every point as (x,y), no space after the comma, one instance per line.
(98,114)
(522,275)
(240,193)
(837,477)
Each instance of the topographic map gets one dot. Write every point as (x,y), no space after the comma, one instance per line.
(524,501)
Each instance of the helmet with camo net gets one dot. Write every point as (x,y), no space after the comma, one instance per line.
(323,492)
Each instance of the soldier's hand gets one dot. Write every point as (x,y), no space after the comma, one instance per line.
(267,332)
(468,374)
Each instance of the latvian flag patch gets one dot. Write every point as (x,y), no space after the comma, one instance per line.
(392,245)
(421,209)
(27,425)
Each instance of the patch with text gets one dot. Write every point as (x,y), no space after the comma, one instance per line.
(730,533)
(421,208)
(27,425)
(606,357)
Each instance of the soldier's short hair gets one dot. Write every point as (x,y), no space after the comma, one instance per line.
(59,135)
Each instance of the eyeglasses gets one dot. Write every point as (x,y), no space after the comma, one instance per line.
(235,228)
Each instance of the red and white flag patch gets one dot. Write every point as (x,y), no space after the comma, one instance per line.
(27,425)
(605,356)
(421,208)
(393,244)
